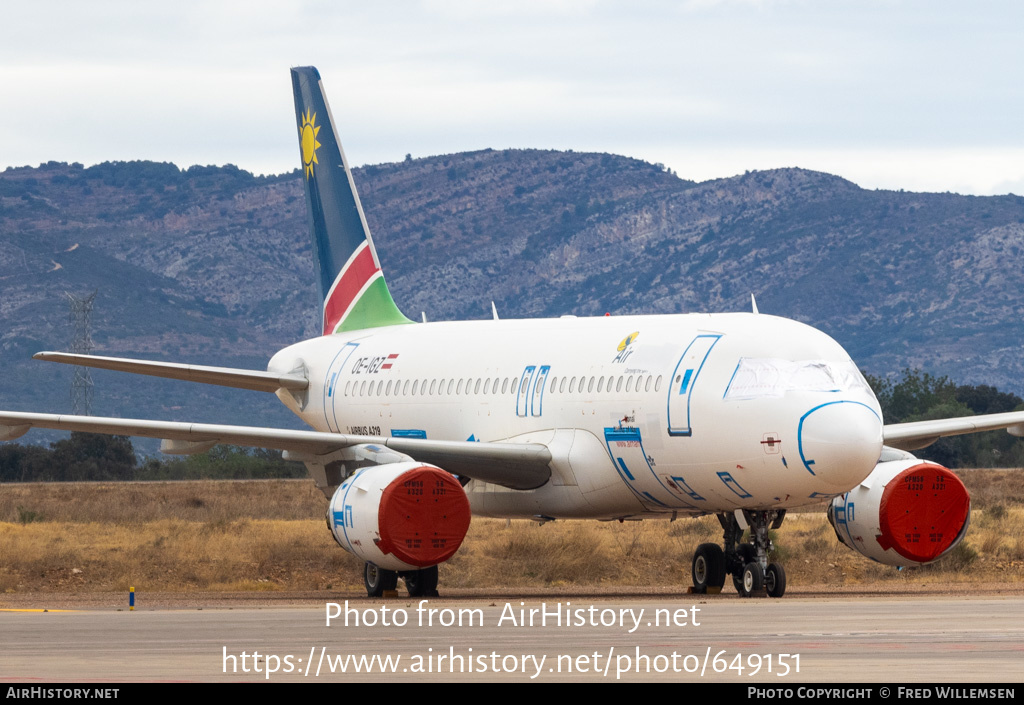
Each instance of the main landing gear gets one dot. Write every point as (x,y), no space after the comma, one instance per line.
(747,562)
(419,583)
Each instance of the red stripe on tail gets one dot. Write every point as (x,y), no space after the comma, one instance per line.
(349,283)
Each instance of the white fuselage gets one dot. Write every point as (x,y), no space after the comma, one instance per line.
(690,414)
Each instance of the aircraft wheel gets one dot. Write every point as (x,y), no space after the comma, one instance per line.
(377,580)
(747,554)
(775,580)
(708,567)
(753,580)
(421,583)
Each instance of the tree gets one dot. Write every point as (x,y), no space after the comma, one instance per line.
(912,396)
(919,396)
(93,456)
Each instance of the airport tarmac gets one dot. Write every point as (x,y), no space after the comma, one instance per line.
(883,640)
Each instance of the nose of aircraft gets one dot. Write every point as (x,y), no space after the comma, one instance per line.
(840,443)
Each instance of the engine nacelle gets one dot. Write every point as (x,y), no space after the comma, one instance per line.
(907,512)
(401,516)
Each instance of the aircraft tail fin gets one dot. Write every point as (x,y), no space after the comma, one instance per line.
(355,295)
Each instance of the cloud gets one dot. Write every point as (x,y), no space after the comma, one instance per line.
(207,81)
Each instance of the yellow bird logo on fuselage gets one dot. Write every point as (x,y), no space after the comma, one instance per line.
(627,340)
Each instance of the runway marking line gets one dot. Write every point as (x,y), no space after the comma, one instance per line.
(36,610)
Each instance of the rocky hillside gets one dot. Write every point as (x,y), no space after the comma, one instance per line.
(213,265)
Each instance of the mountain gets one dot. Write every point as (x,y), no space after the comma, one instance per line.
(213,265)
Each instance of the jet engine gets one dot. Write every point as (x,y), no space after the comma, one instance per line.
(401,516)
(907,512)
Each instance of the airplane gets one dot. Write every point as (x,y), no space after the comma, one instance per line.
(416,426)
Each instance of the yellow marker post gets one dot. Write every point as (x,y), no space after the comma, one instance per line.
(131,599)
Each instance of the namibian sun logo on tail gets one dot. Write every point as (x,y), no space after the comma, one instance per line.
(355,296)
(308,141)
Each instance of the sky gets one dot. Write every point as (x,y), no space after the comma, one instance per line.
(891,94)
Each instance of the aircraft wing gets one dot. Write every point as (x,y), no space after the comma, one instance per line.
(519,466)
(257,380)
(920,434)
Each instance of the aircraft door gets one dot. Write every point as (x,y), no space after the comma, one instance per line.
(682,382)
(332,385)
(537,398)
(523,398)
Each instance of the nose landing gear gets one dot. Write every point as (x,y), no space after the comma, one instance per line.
(747,562)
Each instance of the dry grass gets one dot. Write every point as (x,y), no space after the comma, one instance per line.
(271,535)
(133,502)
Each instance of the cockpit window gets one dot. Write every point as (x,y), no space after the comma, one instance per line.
(758,377)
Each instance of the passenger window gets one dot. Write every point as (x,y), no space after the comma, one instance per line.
(476,388)
(561,386)
(647,387)
(551,389)
(618,385)
(415,386)
(657,384)
(629,384)
(600,384)
(458,389)
(433,385)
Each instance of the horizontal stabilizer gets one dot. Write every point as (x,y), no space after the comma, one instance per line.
(519,466)
(257,380)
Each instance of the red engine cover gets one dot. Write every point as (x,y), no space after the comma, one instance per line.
(423,517)
(922,512)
